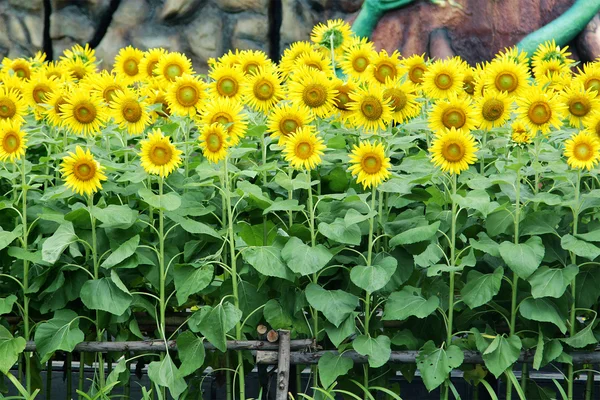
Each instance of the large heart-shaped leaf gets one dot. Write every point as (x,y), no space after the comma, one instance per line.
(435,363)
(415,235)
(190,279)
(543,310)
(215,322)
(267,260)
(378,349)
(374,277)
(408,303)
(107,295)
(552,282)
(10,348)
(165,373)
(481,288)
(191,353)
(124,251)
(523,258)
(331,366)
(54,246)
(304,259)
(336,305)
(59,333)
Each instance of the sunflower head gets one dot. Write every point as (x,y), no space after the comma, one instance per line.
(592,123)
(226,81)
(316,60)
(579,103)
(303,149)
(82,173)
(332,35)
(453,151)
(12,106)
(19,67)
(503,75)
(78,52)
(228,113)
(173,65)
(403,100)
(582,150)
(287,63)
(251,60)
(369,164)
(550,51)
(83,112)
(370,110)
(263,89)
(415,68)
(520,134)
(383,66)
(186,95)
(214,142)
(443,78)
(314,90)
(357,58)
(148,63)
(493,110)
(12,141)
(513,54)
(589,77)
(158,155)
(130,112)
(540,110)
(55,101)
(127,64)
(286,119)
(454,112)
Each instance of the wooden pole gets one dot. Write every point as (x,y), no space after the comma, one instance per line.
(283,366)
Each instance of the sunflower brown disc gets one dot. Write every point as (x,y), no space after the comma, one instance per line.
(397,97)
(579,106)
(492,109)
(187,95)
(84,170)
(263,89)
(415,74)
(371,163)
(314,95)
(160,154)
(539,112)
(453,152)
(506,81)
(371,108)
(132,111)
(11,142)
(84,112)
(454,117)
(443,81)
(7,108)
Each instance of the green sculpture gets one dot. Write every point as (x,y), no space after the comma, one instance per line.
(563,29)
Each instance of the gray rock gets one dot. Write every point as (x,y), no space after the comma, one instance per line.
(259,6)
(174,9)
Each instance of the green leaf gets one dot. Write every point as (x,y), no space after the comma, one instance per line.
(587,284)
(59,333)
(276,315)
(485,244)
(354,217)
(543,310)
(430,256)
(216,322)
(552,282)
(190,279)
(498,222)
(436,363)
(10,348)
(408,303)
(478,200)
(304,259)
(106,295)
(481,289)
(167,202)
(338,334)
(191,353)
(267,260)
(581,248)
(54,246)
(583,338)
(336,305)
(113,216)
(193,226)
(122,252)
(378,350)
(540,223)
(414,235)
(339,232)
(374,277)
(284,205)
(7,237)
(593,236)
(165,373)
(119,374)
(523,258)
(254,193)
(6,304)
(500,354)
(331,366)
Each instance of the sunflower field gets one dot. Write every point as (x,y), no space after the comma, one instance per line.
(368,202)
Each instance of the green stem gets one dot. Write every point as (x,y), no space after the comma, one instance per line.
(315,278)
(234,277)
(589,384)
(524,376)
(483,145)
(572,319)
(536,150)
(368,293)
(96,276)
(26,327)
(263,146)
(515,282)
(161,250)
(186,135)
(290,197)
(446,390)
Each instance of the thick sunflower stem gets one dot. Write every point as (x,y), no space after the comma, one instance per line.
(263,146)
(290,197)
(332,52)
(515,281)
(368,293)
(96,276)
(572,315)
(27,332)
(234,275)
(186,136)
(315,277)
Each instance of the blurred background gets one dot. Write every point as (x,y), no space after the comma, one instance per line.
(473,29)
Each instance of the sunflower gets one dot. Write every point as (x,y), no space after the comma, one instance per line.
(186,95)
(415,68)
(12,83)
(227,112)
(77,68)
(303,149)
(443,78)
(369,163)
(129,112)
(455,112)
(356,59)
(12,106)
(158,155)
(520,134)
(383,67)
(291,54)
(37,90)
(550,51)
(540,110)
(262,89)
(469,79)
(54,101)
(506,76)
(155,96)
(493,110)
(37,61)
(369,108)
(19,67)
(127,65)
(582,150)
(550,67)
(105,84)
(314,90)
(315,60)
(214,141)
(81,172)
(592,123)
(342,99)
(230,59)
(453,151)
(149,62)
(552,75)
(286,119)
(513,54)
(226,82)
(173,65)
(589,77)
(12,141)
(83,112)
(580,103)
(332,36)
(403,100)
(251,60)
(54,69)
(78,52)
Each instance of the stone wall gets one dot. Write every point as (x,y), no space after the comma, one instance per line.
(208,28)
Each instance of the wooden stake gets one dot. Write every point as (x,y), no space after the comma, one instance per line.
(283,366)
